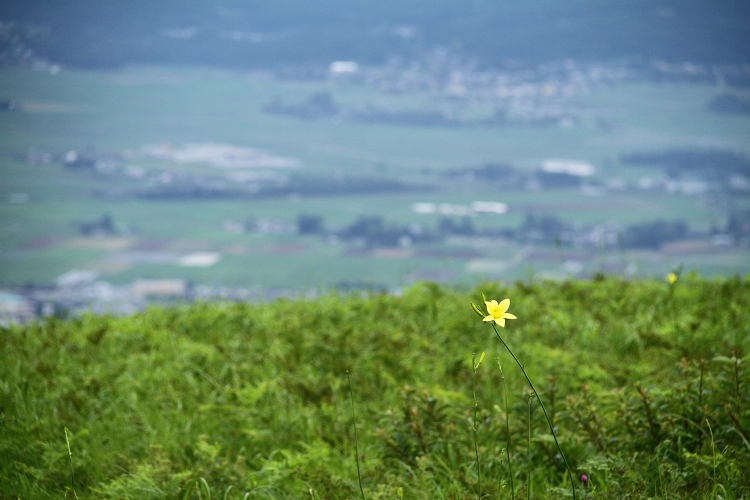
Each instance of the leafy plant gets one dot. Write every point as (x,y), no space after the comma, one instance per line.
(254,397)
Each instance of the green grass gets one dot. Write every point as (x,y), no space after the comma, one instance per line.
(646,386)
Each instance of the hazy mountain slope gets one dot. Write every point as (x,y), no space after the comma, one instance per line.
(271,33)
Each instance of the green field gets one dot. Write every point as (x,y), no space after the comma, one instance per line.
(127,109)
(645,384)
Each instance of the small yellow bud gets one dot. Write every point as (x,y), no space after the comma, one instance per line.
(671,278)
(477,310)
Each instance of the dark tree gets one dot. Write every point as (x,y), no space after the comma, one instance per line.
(309,224)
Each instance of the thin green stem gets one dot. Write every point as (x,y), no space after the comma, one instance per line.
(544,410)
(713,450)
(507,431)
(70,456)
(528,455)
(356,439)
(474,426)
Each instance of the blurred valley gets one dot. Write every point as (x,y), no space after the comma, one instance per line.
(160,154)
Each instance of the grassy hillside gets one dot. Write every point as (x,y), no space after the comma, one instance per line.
(645,382)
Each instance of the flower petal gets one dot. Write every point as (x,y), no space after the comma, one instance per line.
(488,318)
(503,306)
(500,321)
(509,316)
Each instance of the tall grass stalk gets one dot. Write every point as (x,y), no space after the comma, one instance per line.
(544,410)
(713,450)
(189,490)
(507,429)
(226,492)
(528,449)
(204,487)
(356,439)
(70,457)
(475,366)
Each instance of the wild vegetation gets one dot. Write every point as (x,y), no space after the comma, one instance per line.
(644,382)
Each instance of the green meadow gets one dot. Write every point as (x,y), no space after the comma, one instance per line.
(645,384)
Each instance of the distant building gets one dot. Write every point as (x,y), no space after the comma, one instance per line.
(76,278)
(164,288)
(569,167)
(344,67)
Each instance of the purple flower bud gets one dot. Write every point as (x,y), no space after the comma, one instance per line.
(585,479)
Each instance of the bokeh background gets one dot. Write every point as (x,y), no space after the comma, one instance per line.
(153,151)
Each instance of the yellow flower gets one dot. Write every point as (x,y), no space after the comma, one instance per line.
(671,278)
(497,312)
